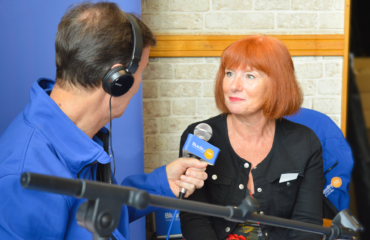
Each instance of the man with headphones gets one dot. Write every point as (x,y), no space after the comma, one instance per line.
(100,55)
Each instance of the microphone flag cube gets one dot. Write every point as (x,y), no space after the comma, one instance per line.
(200,148)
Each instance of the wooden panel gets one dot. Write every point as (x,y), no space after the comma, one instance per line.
(361,69)
(213,45)
(361,65)
(367,118)
(365,100)
(345,67)
(363,83)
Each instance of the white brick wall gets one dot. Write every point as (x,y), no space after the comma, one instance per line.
(171,104)
(179,91)
(244,16)
(321,81)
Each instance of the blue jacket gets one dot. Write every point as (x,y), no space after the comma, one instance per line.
(335,149)
(42,139)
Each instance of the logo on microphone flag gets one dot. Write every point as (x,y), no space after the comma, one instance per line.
(200,148)
(209,154)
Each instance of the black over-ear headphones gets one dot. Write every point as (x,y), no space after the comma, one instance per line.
(120,79)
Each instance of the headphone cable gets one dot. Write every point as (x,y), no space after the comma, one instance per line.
(110,139)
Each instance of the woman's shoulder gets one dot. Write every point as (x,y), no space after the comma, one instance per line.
(297,144)
(296,132)
(288,125)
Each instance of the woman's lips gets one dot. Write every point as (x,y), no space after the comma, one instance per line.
(235,99)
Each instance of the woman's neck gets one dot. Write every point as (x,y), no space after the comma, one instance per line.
(251,128)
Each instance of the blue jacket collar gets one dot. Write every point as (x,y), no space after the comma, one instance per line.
(75,147)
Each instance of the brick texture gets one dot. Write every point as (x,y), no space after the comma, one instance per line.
(232,5)
(297,20)
(323,5)
(272,5)
(189,6)
(223,17)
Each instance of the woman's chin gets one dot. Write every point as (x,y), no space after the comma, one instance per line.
(237,110)
(244,113)
(238,113)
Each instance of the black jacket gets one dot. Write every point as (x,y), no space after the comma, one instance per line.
(296,149)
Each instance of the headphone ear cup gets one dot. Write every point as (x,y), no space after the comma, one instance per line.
(117,81)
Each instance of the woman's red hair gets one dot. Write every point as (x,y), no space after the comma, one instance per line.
(272,57)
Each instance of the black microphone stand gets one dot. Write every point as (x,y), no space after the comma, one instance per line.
(101,213)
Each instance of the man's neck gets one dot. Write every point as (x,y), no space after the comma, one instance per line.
(87,109)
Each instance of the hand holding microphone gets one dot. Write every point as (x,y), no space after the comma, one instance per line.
(195,147)
(194,177)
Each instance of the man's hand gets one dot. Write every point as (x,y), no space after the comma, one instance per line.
(194,177)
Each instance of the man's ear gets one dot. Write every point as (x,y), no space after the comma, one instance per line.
(116,65)
(117,81)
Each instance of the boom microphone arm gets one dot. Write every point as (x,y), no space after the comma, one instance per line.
(101,213)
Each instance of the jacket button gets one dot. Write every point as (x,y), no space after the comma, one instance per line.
(259,189)
(266,234)
(214,177)
(227,229)
(246,165)
(288,183)
(241,186)
(255,168)
(262,213)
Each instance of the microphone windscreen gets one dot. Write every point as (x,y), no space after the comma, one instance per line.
(203,131)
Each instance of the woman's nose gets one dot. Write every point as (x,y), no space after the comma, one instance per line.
(236,85)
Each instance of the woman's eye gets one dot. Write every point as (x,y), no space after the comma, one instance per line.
(229,74)
(250,76)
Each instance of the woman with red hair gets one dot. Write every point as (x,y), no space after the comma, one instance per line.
(276,161)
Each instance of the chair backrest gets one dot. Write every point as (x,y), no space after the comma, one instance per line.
(337,156)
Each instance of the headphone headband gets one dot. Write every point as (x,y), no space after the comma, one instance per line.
(138,45)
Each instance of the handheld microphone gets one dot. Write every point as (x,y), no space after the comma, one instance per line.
(197,146)
(202,131)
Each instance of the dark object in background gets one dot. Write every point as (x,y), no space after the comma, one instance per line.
(150,227)
(359,28)
(330,211)
(357,139)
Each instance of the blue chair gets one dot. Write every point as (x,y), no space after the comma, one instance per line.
(337,155)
